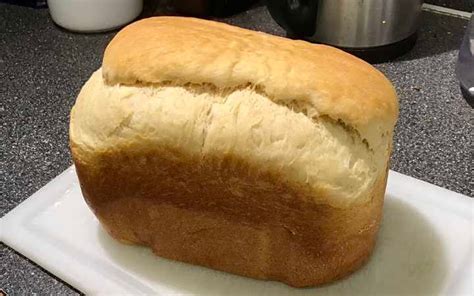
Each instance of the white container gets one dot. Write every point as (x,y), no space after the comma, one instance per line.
(93,15)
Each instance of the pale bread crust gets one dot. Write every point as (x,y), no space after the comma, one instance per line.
(215,152)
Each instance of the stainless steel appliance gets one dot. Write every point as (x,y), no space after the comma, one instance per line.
(373,27)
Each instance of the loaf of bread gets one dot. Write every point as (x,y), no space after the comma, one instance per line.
(236,150)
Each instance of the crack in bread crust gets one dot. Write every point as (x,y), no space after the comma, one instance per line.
(298,106)
(204,121)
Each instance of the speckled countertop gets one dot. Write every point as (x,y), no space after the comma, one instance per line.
(42,68)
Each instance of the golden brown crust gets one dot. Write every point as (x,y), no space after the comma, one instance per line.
(227,220)
(182,50)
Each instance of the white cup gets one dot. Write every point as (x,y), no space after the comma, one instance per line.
(93,15)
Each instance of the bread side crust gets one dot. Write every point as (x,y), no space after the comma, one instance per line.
(216,215)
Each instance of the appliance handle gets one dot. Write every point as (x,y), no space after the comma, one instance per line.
(297,17)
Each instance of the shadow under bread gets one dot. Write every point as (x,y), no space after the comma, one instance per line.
(408,259)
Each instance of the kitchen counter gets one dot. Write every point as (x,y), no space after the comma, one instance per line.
(466,5)
(43,67)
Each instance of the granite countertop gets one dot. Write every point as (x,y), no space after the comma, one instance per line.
(42,68)
(466,5)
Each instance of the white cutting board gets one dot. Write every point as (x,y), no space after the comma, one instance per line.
(425,247)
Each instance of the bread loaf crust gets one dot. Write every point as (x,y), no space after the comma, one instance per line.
(245,152)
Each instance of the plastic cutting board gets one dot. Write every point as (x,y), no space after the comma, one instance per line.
(425,247)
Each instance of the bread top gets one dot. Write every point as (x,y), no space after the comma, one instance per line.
(316,79)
